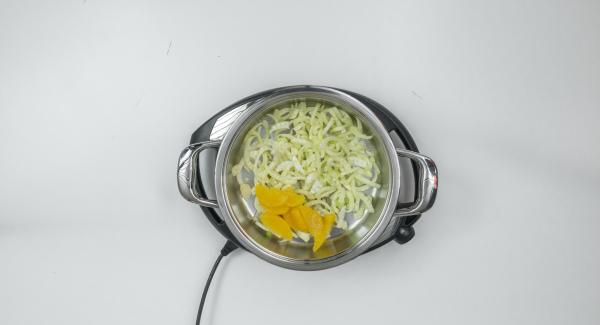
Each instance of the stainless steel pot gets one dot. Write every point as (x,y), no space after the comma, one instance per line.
(297,255)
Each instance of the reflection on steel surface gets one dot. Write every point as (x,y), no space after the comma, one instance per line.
(224,122)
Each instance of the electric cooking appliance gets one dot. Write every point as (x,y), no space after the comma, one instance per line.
(409,179)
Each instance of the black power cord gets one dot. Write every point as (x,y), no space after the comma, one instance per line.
(228,248)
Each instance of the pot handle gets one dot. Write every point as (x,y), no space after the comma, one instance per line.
(187,173)
(426,184)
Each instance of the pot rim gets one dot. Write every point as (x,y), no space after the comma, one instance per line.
(337,259)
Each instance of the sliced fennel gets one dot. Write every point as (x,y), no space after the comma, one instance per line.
(320,151)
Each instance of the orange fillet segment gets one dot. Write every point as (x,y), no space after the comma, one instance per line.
(277,225)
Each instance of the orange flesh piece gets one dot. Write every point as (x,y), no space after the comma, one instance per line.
(279,210)
(295,220)
(322,235)
(312,219)
(293,199)
(277,225)
(270,198)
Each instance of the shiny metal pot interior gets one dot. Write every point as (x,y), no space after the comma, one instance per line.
(342,246)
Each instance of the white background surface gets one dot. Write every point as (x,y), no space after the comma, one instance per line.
(97,99)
